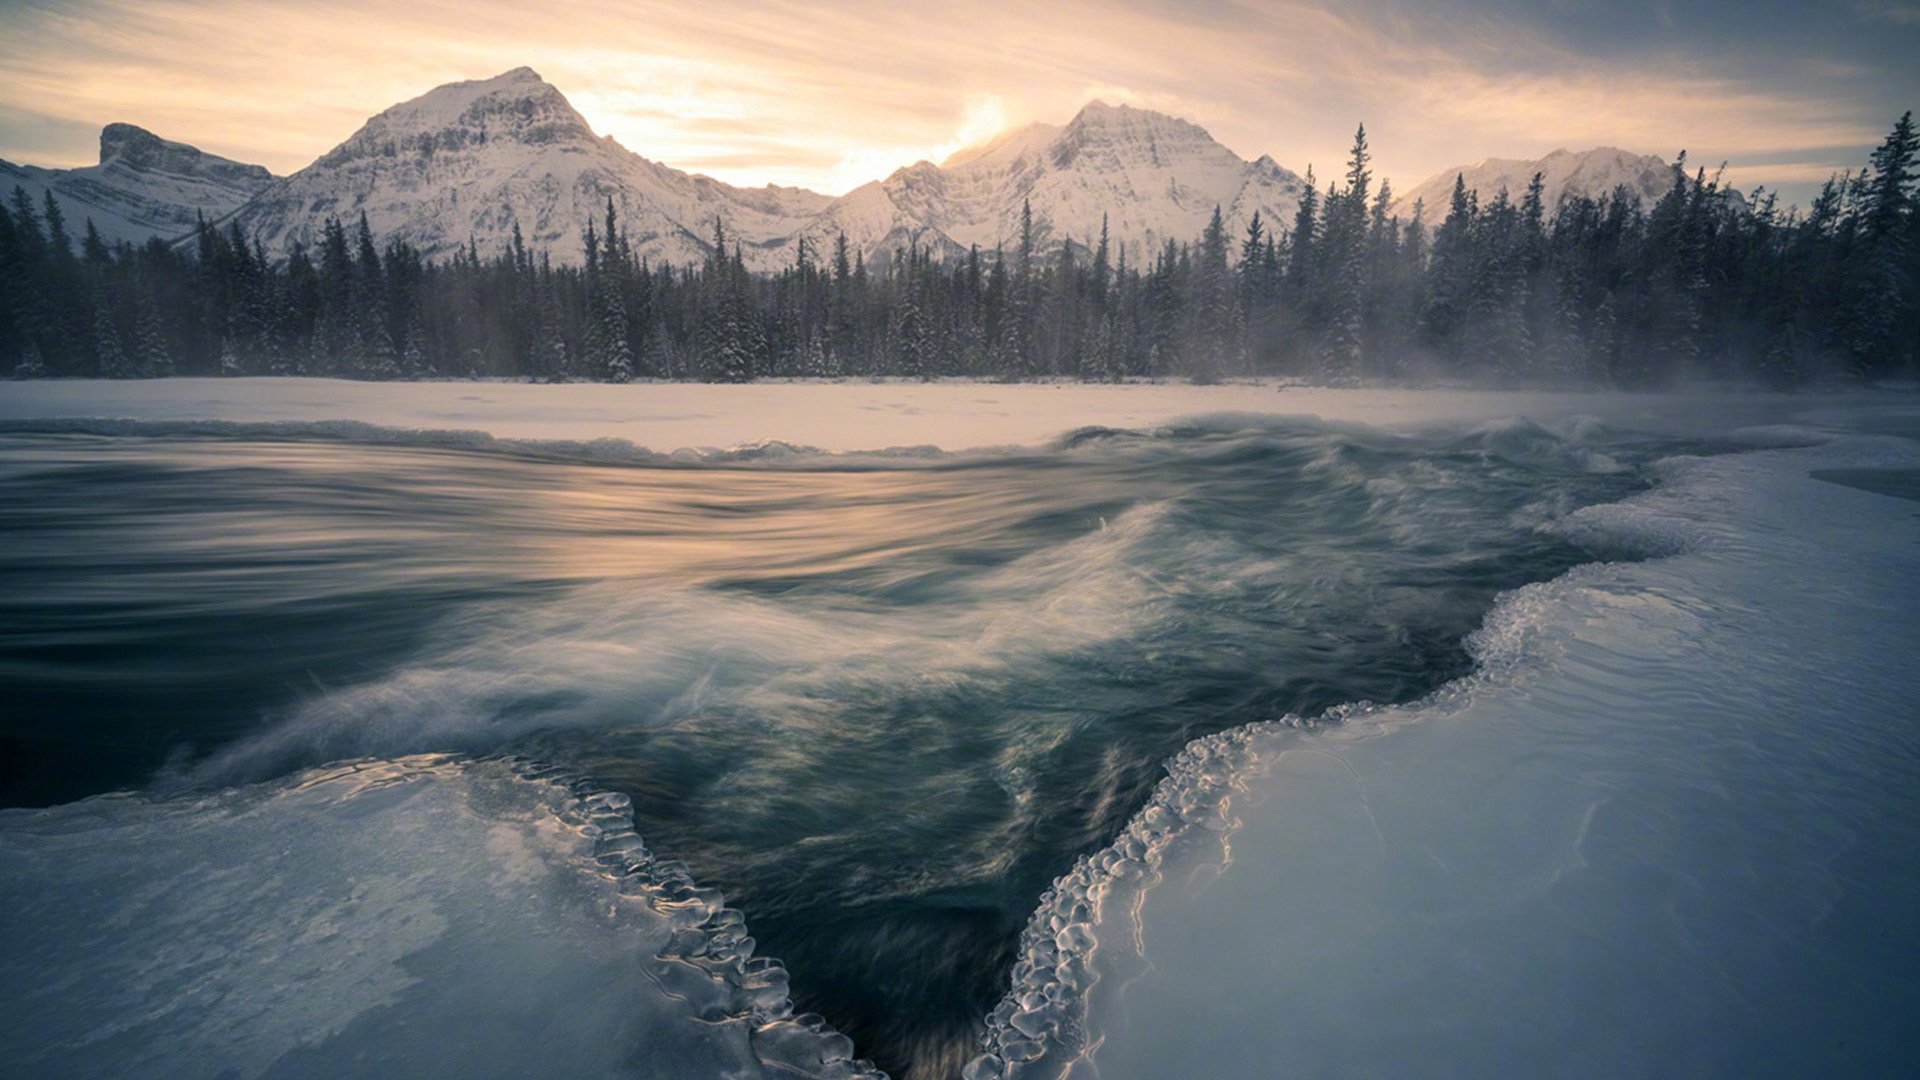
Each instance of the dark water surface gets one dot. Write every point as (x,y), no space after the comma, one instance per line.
(881,707)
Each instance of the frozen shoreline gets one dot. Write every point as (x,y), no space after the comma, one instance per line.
(841,417)
(441,916)
(1667,827)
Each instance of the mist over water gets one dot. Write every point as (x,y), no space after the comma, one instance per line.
(881,708)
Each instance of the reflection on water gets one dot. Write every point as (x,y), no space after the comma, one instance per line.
(880,708)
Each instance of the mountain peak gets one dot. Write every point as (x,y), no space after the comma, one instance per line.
(1012,143)
(137,148)
(1109,138)
(474,161)
(1098,114)
(449,103)
(1097,109)
(1114,135)
(1594,172)
(128,140)
(516,106)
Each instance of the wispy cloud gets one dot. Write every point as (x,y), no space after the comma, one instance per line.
(829,96)
(1887,11)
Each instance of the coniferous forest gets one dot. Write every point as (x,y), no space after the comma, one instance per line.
(1705,283)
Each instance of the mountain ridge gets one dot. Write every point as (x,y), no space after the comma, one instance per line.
(142,187)
(467,162)
(1594,173)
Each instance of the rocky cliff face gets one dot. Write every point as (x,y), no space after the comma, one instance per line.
(143,187)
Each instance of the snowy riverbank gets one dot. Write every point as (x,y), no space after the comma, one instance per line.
(1668,828)
(832,416)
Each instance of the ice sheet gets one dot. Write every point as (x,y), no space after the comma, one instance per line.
(418,917)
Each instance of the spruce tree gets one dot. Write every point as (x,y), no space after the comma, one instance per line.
(1883,292)
(1450,276)
(110,360)
(30,365)
(151,358)
(1345,264)
(1296,319)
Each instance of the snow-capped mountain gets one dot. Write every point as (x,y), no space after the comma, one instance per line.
(143,187)
(469,160)
(1155,177)
(1594,173)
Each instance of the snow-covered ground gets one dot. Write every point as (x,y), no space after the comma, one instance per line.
(833,416)
(1670,828)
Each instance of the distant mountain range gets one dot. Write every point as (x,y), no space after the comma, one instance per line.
(469,161)
(1593,172)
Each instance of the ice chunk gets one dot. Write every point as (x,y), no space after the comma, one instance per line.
(417,917)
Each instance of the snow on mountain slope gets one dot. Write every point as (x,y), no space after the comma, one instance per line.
(1155,177)
(1594,173)
(468,161)
(143,187)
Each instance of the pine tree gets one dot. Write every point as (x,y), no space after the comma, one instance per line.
(616,353)
(910,343)
(57,239)
(373,356)
(1345,263)
(1884,293)
(93,249)
(151,358)
(1216,313)
(109,359)
(608,351)
(31,365)
(1297,320)
(414,363)
(1495,331)
(1450,276)
(335,343)
(1017,345)
(1593,289)
(547,360)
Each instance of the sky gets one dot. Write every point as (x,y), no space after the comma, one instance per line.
(829,96)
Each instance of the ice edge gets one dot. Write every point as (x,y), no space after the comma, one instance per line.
(710,939)
(601,451)
(1038,1029)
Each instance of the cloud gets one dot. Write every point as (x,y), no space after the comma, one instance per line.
(1786,173)
(1887,11)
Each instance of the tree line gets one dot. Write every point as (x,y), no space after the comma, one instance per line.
(1704,283)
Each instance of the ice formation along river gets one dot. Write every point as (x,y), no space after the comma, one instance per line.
(443,748)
